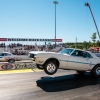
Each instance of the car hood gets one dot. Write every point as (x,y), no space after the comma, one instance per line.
(37,52)
(53,54)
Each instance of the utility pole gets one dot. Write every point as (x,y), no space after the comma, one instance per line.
(87,4)
(76,43)
(55,2)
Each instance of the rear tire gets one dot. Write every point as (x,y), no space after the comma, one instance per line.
(80,72)
(96,71)
(50,68)
(39,66)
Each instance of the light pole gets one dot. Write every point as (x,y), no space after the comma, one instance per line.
(55,2)
(87,4)
(76,42)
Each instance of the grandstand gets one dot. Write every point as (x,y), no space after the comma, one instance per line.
(24,49)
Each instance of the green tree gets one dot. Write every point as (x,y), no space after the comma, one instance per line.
(85,45)
(94,38)
(98,43)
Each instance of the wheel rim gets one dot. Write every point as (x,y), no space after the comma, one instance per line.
(51,68)
(98,71)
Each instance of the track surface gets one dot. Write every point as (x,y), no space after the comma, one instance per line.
(36,85)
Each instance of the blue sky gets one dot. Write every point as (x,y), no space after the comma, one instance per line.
(36,19)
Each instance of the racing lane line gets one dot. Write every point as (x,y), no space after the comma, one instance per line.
(36,70)
(19,71)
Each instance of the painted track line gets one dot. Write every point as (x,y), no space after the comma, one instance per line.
(19,71)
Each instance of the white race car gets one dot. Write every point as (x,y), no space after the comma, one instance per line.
(69,59)
(8,57)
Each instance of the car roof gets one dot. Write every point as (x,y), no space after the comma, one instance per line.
(35,52)
(75,49)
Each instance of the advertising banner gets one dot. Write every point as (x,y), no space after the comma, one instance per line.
(21,65)
(3,39)
(30,39)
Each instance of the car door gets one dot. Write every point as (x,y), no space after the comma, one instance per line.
(79,60)
(63,57)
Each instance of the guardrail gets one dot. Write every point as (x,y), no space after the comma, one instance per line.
(26,64)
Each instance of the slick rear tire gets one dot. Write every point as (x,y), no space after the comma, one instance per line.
(80,72)
(39,67)
(96,71)
(50,68)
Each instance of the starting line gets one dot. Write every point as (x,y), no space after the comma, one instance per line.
(19,71)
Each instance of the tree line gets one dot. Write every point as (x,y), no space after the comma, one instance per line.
(84,45)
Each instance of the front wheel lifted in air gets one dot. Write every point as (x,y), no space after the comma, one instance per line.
(50,68)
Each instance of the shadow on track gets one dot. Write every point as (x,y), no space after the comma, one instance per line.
(67,82)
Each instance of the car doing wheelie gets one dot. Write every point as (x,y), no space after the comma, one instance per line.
(69,59)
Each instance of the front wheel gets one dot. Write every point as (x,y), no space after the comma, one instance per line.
(11,61)
(50,68)
(96,71)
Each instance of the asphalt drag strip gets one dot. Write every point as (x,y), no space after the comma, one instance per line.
(64,85)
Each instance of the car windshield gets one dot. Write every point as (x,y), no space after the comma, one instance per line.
(1,54)
(5,54)
(66,51)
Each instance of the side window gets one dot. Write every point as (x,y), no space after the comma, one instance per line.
(77,53)
(8,54)
(5,54)
(86,55)
(74,53)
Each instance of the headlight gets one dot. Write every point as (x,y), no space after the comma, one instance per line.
(31,55)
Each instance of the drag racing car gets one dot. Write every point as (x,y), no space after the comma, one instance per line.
(68,59)
(8,57)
